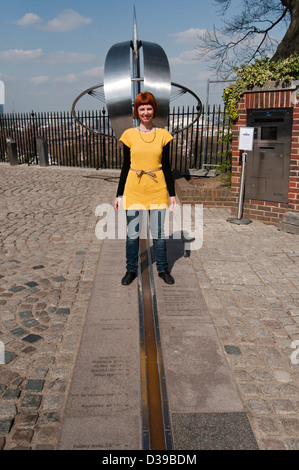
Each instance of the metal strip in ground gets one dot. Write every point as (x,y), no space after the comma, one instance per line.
(164,399)
(156,427)
(144,396)
(156,422)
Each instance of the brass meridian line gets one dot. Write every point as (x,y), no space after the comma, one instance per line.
(155,412)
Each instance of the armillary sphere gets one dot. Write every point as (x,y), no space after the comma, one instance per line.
(86,102)
(122,83)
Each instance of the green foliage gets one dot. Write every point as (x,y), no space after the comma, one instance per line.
(29,158)
(225,167)
(258,73)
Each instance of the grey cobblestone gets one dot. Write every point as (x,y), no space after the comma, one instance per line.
(254,276)
(7,410)
(48,258)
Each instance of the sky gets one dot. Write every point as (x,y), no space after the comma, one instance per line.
(51,51)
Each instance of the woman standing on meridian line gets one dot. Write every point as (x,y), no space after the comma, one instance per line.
(146,183)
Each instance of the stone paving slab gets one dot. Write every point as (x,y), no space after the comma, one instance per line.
(204,402)
(197,373)
(104,405)
(213,431)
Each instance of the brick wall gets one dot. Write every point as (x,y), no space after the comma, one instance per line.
(266,211)
(189,194)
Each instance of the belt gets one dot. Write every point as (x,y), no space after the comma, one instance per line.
(150,173)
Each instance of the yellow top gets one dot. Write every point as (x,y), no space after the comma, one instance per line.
(143,191)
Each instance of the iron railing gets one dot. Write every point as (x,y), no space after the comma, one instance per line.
(69,144)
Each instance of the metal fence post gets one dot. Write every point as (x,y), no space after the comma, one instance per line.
(42,151)
(12,151)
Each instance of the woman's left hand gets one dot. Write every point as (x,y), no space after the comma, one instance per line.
(117,203)
(172,203)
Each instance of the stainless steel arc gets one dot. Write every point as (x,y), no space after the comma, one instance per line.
(118,82)
(157,78)
(118,87)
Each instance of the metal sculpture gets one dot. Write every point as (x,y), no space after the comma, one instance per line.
(123,82)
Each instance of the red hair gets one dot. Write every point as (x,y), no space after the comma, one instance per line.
(145,98)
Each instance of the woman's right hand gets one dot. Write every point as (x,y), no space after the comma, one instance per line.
(117,203)
(172,203)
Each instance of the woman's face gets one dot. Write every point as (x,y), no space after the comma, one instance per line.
(146,114)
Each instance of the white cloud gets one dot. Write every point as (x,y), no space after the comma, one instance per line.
(61,57)
(67,20)
(5,77)
(39,79)
(95,72)
(203,76)
(189,36)
(186,57)
(30,19)
(71,78)
(17,55)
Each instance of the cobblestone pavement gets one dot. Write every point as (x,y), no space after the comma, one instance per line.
(249,276)
(49,255)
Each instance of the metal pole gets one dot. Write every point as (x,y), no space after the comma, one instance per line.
(240,220)
(205,127)
(2,97)
(241,193)
(136,61)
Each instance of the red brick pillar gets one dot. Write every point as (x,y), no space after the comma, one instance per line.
(294,164)
(270,96)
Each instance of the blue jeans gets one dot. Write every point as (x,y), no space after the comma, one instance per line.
(134,224)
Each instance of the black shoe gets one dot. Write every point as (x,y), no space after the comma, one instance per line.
(167,277)
(128,278)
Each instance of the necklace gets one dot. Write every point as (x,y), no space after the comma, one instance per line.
(147,141)
(147,130)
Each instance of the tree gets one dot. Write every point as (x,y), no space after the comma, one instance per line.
(250,34)
(290,42)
